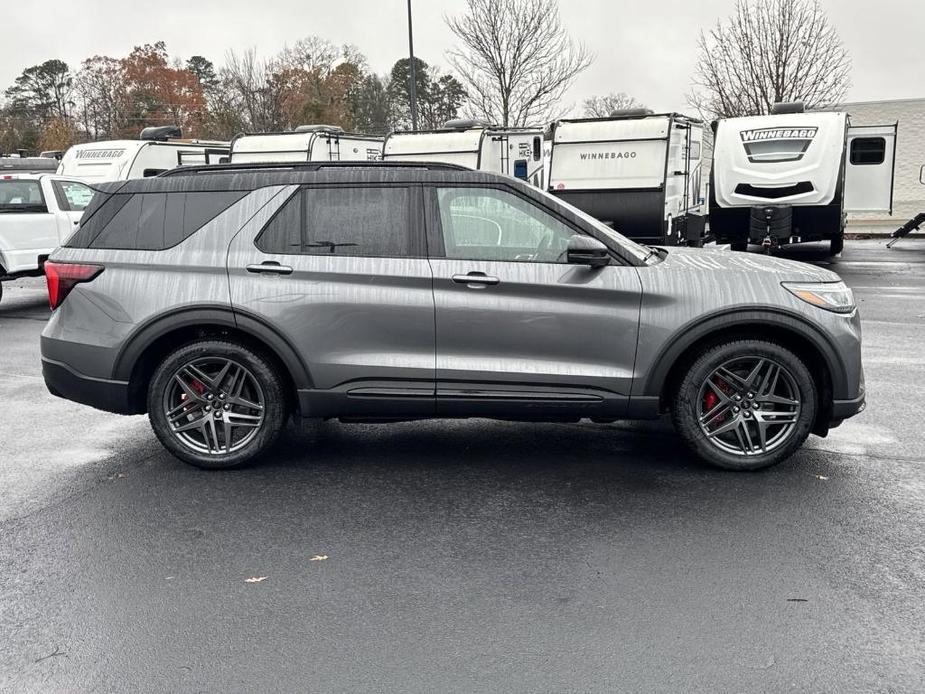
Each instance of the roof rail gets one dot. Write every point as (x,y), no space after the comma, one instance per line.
(310,166)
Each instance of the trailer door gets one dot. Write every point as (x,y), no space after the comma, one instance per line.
(869,165)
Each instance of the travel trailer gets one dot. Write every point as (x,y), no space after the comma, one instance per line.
(636,170)
(793,176)
(306,143)
(516,152)
(22,165)
(158,150)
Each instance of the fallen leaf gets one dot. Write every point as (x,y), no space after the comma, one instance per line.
(255,579)
(821,477)
(319,557)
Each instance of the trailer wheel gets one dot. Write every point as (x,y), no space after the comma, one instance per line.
(836,245)
(740,246)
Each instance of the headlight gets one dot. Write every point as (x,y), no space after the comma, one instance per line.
(832,296)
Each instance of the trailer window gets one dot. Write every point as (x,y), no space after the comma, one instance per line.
(868,151)
(21,195)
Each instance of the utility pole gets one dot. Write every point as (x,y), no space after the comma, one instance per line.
(413,90)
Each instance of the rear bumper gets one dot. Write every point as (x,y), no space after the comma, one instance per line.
(64,382)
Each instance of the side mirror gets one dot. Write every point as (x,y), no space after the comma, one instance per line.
(586,250)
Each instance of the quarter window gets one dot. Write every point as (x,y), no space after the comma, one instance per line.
(343,221)
(493,224)
(868,150)
(149,221)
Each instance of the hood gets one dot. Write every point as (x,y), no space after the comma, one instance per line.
(758,267)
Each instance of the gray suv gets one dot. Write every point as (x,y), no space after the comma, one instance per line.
(222,299)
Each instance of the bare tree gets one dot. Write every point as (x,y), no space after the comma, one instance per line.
(770,51)
(603,106)
(515,59)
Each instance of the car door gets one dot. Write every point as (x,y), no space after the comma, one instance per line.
(869,168)
(72,198)
(341,273)
(28,228)
(520,332)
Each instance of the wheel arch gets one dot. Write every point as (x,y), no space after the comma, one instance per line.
(150,343)
(797,335)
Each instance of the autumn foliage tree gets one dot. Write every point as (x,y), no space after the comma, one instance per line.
(161,94)
(51,106)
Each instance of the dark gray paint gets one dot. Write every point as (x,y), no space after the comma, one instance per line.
(397,337)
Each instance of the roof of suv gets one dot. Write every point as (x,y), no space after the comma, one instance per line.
(253,176)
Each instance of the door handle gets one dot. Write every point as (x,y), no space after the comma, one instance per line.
(479,279)
(270,267)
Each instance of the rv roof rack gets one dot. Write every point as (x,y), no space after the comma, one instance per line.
(311,166)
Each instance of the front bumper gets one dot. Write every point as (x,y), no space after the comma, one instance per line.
(64,382)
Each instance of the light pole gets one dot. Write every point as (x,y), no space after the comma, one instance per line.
(414,98)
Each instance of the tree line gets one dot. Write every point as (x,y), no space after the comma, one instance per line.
(512,64)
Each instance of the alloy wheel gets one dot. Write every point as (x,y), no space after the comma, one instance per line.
(749,406)
(214,405)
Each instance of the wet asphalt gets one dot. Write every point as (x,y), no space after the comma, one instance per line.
(469,556)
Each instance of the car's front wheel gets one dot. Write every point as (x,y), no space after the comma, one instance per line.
(745,404)
(216,404)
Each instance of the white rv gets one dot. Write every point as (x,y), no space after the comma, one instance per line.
(636,171)
(516,152)
(792,176)
(306,143)
(159,149)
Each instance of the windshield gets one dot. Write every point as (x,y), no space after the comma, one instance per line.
(19,195)
(631,248)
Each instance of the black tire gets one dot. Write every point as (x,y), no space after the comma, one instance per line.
(836,245)
(740,246)
(687,402)
(1,286)
(265,389)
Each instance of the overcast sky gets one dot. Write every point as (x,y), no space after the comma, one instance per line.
(646,49)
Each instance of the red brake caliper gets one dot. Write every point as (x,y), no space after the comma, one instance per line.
(710,398)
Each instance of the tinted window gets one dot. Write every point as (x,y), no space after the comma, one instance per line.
(491,224)
(868,150)
(149,221)
(361,221)
(21,195)
(72,196)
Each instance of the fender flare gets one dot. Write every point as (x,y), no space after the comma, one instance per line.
(223,316)
(779,319)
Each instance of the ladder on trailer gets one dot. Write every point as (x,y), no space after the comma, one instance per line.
(907,228)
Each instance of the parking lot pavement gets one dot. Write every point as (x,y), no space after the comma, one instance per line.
(469,555)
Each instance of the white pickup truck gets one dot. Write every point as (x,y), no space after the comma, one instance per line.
(37,213)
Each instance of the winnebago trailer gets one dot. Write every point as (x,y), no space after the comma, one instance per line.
(636,170)
(516,152)
(159,149)
(793,176)
(305,143)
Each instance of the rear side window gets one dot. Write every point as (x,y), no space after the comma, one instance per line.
(21,195)
(150,221)
(72,196)
(359,221)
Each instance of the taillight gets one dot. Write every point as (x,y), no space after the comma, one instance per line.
(63,277)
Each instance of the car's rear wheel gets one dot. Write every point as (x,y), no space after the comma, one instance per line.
(216,404)
(745,405)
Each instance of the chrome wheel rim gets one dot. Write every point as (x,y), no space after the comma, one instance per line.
(749,406)
(214,406)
